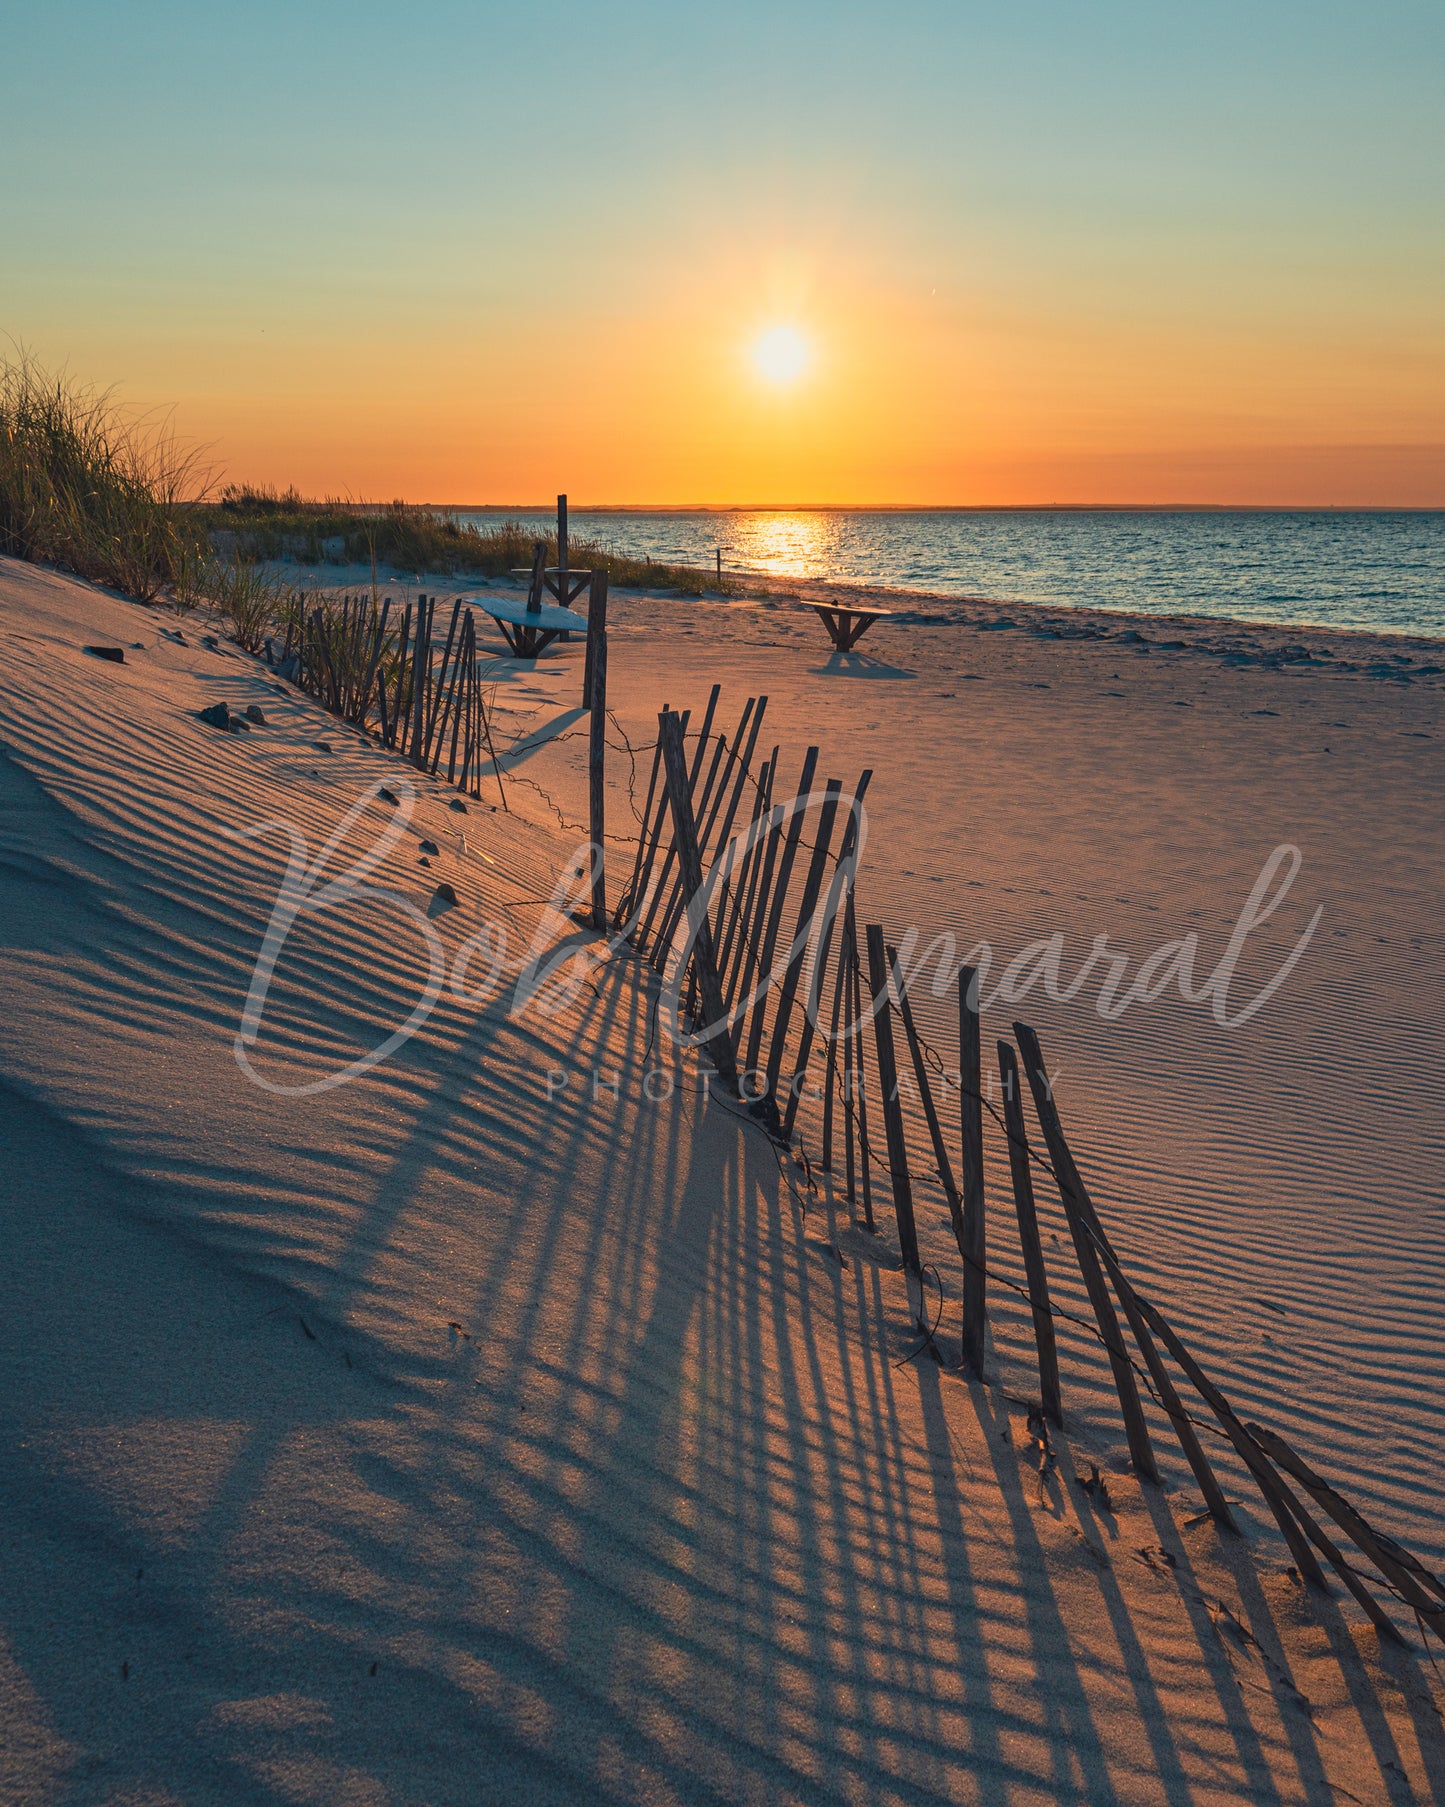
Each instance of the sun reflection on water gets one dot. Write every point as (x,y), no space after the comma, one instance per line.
(785,545)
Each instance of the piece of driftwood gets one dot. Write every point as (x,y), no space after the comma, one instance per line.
(1035,1270)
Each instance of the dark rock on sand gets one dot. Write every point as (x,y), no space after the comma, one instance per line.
(115,654)
(217,716)
(253,714)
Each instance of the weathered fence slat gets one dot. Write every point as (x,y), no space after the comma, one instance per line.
(777,903)
(1140,1449)
(1035,1269)
(890,1103)
(842,877)
(856,1050)
(743,880)
(970,1104)
(662,891)
(1395,1564)
(930,1110)
(716,1041)
(1163,1385)
(797,952)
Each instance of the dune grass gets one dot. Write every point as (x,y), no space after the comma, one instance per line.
(270,524)
(115,497)
(86,486)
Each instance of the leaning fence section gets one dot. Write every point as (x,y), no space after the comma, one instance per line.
(743,888)
(399,676)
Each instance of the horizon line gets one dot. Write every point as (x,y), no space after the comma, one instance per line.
(549,506)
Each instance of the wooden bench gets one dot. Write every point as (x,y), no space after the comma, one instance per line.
(527,630)
(847,622)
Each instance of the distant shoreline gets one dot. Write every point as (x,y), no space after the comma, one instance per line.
(724,508)
(909,607)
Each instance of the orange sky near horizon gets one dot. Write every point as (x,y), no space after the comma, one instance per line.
(1035,259)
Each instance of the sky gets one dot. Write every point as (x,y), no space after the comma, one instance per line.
(479,254)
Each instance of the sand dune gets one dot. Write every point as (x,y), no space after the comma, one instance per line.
(431,1439)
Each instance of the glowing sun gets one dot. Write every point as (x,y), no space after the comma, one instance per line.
(781,354)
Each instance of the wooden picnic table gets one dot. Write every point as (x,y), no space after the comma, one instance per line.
(564,583)
(528,630)
(847,622)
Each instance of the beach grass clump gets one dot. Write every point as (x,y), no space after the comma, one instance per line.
(118,499)
(251,599)
(347,651)
(267,524)
(85,486)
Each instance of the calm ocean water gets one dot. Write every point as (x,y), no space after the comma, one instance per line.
(1372,569)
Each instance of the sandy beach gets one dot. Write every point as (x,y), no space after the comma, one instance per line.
(498,1427)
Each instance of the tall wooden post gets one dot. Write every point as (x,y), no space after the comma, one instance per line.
(674,763)
(562,557)
(597,739)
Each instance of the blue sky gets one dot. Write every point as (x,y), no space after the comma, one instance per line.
(432,205)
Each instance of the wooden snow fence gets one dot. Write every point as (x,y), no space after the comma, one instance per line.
(743,887)
(401,678)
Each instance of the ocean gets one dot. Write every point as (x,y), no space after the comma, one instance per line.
(1379,569)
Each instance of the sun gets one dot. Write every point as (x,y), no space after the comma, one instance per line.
(781,354)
